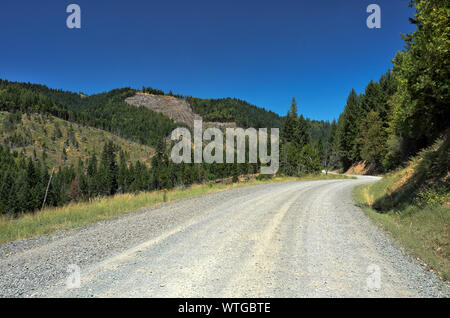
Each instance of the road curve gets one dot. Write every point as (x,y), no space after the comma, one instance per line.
(297,239)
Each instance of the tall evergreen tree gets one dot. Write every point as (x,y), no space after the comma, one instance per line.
(421,109)
(372,139)
(293,109)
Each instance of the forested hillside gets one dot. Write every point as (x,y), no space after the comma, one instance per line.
(228,109)
(106,111)
(408,107)
(58,142)
(24,180)
(234,110)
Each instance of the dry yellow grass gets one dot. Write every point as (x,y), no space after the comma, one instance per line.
(368,197)
(421,229)
(404,176)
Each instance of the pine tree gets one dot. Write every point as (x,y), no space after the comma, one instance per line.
(294,137)
(108,169)
(293,110)
(122,177)
(347,132)
(92,177)
(235,173)
(372,139)
(310,160)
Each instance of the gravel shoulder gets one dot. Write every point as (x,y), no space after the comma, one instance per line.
(297,239)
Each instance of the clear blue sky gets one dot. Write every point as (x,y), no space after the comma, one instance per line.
(262,51)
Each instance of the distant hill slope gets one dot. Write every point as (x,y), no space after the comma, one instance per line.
(110,111)
(229,112)
(115,111)
(177,109)
(106,111)
(235,110)
(62,142)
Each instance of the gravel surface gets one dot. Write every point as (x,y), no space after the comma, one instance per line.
(298,239)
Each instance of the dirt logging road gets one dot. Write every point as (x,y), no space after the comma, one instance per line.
(297,239)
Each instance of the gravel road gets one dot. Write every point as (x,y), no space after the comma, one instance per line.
(297,239)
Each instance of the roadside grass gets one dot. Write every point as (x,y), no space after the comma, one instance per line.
(413,205)
(80,214)
(422,231)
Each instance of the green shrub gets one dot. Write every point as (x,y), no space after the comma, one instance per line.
(431,196)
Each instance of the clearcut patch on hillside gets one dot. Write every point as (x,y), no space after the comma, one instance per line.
(179,110)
